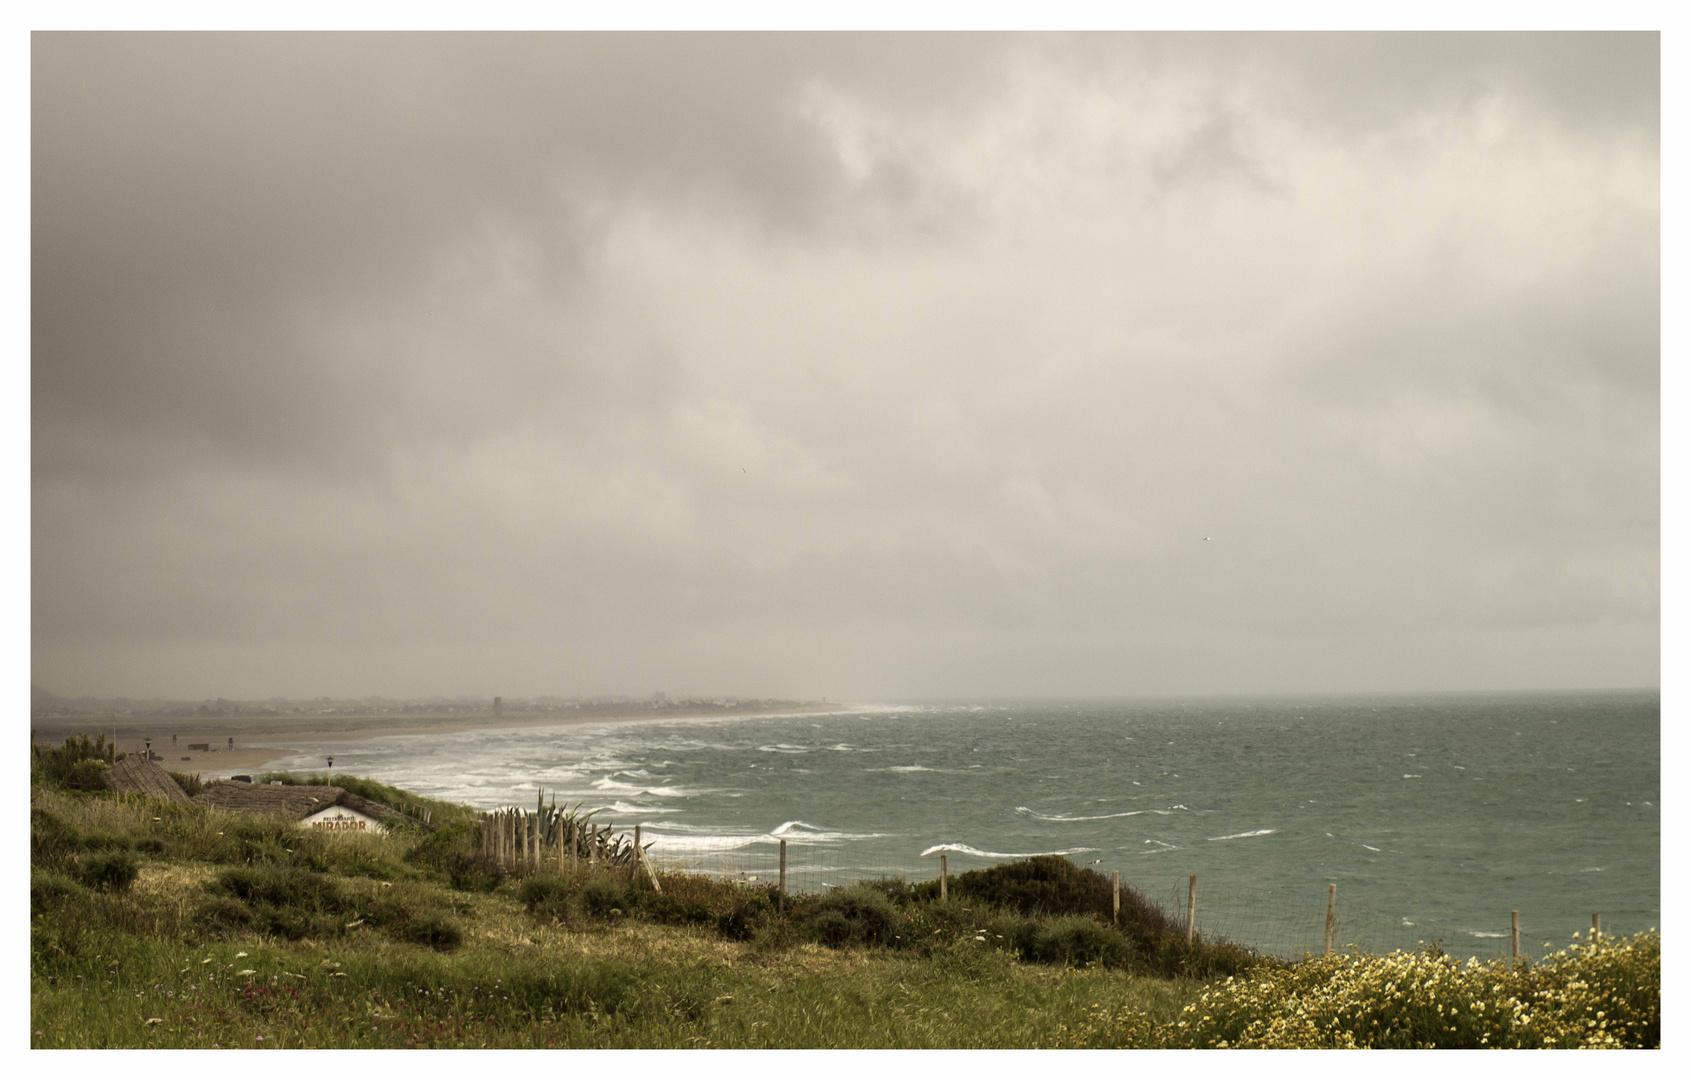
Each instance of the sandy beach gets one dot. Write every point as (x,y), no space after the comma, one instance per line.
(259,740)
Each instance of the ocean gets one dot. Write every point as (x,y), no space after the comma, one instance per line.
(1435,816)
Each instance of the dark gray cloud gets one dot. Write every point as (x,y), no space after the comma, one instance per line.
(858,364)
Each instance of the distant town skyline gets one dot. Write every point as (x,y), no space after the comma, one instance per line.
(872,367)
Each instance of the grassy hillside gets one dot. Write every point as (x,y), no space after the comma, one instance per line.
(158,925)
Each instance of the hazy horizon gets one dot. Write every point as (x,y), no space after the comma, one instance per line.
(865,367)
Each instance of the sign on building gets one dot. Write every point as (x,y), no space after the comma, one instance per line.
(342,819)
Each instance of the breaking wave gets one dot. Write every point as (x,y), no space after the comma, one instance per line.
(965,849)
(1078,817)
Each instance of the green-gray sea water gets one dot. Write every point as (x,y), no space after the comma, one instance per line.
(1436,816)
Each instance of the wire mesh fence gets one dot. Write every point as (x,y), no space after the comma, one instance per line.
(1323,919)
(1296,926)
(1273,923)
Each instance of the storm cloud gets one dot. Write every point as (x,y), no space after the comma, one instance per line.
(867,366)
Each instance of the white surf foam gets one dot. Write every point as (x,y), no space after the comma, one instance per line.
(617,787)
(620,807)
(1067,817)
(1242,835)
(675,838)
(965,849)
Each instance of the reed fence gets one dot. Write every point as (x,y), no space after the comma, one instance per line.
(551,839)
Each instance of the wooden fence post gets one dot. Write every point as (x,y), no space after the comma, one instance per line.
(1332,899)
(1115,897)
(575,846)
(1514,936)
(1596,927)
(1191,907)
(560,848)
(781,888)
(942,875)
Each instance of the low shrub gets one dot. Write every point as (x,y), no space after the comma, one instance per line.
(748,917)
(285,901)
(895,889)
(435,931)
(548,897)
(1073,941)
(474,873)
(48,889)
(1042,885)
(604,898)
(108,871)
(858,915)
(285,887)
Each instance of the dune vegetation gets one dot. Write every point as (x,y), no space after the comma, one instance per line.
(157,924)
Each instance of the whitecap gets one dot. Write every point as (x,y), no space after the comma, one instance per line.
(1370,847)
(1084,817)
(670,844)
(620,807)
(965,849)
(784,748)
(1242,835)
(606,784)
(1486,933)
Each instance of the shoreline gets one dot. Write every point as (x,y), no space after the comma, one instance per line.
(261,741)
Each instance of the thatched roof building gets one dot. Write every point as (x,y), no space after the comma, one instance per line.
(135,775)
(313,806)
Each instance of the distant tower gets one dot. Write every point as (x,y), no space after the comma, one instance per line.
(498,705)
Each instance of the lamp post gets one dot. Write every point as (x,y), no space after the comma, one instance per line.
(331,770)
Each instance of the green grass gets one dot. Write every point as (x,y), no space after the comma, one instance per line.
(180,926)
(636,985)
(376,940)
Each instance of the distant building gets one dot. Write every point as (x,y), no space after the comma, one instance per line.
(498,705)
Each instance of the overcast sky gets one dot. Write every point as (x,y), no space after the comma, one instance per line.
(869,367)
